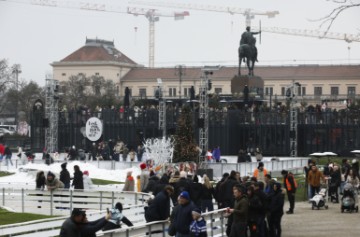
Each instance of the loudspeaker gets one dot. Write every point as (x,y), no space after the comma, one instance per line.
(209,173)
(45,123)
(201,123)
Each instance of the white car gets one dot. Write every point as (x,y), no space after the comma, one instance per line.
(4,131)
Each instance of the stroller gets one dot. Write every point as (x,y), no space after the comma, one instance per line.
(319,200)
(349,201)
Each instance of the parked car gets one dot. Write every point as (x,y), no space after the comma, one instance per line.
(4,131)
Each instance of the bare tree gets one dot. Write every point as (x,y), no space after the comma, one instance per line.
(343,5)
(75,90)
(97,82)
(6,79)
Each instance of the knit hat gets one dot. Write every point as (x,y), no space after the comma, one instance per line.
(63,165)
(142,166)
(185,195)
(51,174)
(86,172)
(196,211)
(77,212)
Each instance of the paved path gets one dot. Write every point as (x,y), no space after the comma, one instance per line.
(320,223)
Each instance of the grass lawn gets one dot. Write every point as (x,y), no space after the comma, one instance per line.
(7,217)
(4,173)
(104,182)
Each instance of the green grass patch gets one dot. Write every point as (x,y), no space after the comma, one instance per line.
(104,182)
(7,217)
(4,173)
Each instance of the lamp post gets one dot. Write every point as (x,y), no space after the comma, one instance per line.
(16,70)
(162,107)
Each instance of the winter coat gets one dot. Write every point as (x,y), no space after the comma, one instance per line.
(181,185)
(216,154)
(198,228)
(164,180)
(90,228)
(144,179)
(78,182)
(153,180)
(69,229)
(87,182)
(159,209)
(129,184)
(54,184)
(207,193)
(314,178)
(65,176)
(241,207)
(40,183)
(255,207)
(276,204)
(226,190)
(335,178)
(183,218)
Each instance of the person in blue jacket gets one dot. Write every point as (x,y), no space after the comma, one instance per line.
(183,216)
(216,154)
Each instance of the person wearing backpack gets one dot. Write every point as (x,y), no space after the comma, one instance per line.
(290,186)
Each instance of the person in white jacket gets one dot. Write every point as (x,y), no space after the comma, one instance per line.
(88,184)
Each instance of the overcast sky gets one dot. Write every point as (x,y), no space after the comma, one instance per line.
(35,36)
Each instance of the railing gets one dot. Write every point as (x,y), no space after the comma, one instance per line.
(215,221)
(62,202)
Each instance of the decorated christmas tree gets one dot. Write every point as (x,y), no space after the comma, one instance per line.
(185,146)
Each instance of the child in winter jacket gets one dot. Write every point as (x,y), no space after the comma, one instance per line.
(116,218)
(198,225)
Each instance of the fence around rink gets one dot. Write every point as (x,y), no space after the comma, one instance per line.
(63,201)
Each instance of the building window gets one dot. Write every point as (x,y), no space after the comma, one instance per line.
(282,91)
(63,74)
(97,74)
(172,92)
(218,90)
(186,92)
(351,91)
(303,91)
(269,91)
(334,90)
(317,91)
(142,92)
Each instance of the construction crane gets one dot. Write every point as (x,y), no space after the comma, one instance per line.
(311,33)
(248,13)
(153,16)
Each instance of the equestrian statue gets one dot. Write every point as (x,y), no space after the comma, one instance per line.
(248,50)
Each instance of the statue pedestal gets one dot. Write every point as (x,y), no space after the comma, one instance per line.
(254,83)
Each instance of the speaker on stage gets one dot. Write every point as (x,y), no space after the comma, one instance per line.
(209,173)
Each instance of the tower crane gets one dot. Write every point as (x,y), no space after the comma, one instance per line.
(312,33)
(248,13)
(153,16)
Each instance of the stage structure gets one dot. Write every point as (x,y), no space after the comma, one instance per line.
(51,114)
(203,121)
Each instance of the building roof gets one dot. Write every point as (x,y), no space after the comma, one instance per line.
(266,72)
(98,50)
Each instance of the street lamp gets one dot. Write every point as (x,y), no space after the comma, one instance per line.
(16,70)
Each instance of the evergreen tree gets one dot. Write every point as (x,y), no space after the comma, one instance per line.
(185,146)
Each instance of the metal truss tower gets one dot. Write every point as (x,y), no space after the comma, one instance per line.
(294,118)
(203,122)
(51,114)
(162,108)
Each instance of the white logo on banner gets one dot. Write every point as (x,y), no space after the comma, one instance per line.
(94,129)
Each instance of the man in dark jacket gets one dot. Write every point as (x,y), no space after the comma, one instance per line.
(276,211)
(159,208)
(183,216)
(65,176)
(78,182)
(290,186)
(196,191)
(239,212)
(218,195)
(77,225)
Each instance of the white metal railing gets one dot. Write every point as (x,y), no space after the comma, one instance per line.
(62,202)
(215,221)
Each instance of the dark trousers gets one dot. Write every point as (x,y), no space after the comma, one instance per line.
(314,190)
(291,198)
(261,226)
(275,225)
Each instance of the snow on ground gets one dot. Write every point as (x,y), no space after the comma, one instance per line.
(27,173)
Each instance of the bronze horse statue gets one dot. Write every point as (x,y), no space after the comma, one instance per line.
(247,53)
